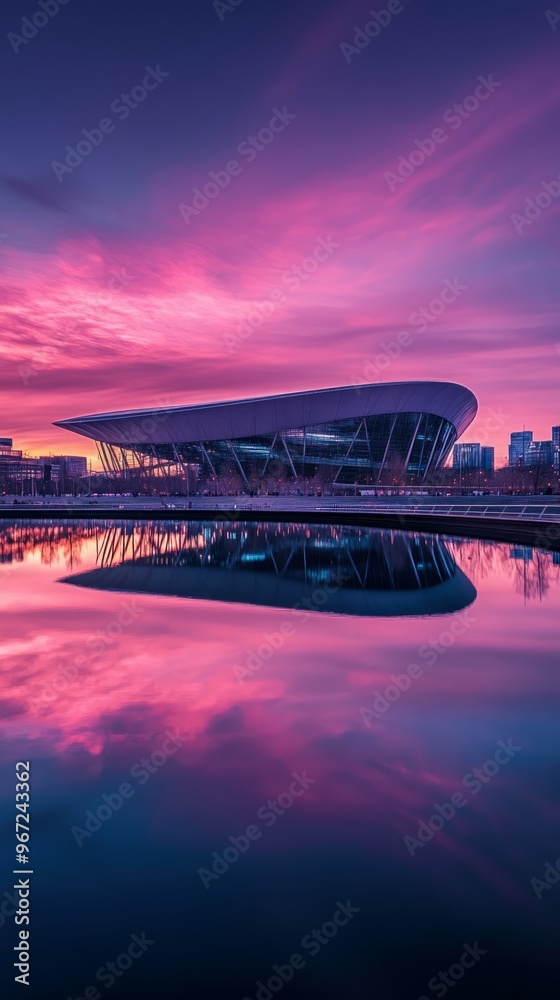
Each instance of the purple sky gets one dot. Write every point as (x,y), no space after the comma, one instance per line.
(116,294)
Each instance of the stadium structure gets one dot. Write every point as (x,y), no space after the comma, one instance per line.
(361,434)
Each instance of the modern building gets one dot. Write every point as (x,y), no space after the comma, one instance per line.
(65,470)
(519,443)
(74,466)
(21,473)
(18,472)
(466,456)
(556,447)
(539,453)
(352,434)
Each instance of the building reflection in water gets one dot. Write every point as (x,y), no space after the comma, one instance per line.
(87,693)
(532,572)
(341,570)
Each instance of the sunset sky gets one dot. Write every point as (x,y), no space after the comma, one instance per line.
(113,296)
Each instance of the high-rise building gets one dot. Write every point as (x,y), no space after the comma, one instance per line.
(556,447)
(466,456)
(519,444)
(473,456)
(539,453)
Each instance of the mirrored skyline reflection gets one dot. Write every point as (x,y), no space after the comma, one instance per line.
(92,682)
(338,570)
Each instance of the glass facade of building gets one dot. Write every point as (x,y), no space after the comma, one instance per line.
(473,456)
(466,456)
(518,447)
(359,450)
(357,558)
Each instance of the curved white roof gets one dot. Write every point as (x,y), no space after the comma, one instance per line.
(242,418)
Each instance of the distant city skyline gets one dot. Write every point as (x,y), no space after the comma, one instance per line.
(89,450)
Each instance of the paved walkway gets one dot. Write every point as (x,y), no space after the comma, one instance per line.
(530,509)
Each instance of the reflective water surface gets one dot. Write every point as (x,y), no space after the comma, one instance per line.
(314,761)
(339,570)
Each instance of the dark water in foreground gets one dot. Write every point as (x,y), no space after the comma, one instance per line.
(277,760)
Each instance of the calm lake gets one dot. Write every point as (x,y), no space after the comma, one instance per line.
(320,762)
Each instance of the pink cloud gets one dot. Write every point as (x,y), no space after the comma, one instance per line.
(101,321)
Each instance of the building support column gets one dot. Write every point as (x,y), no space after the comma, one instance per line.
(436,439)
(270,450)
(282,438)
(351,445)
(409,452)
(386,452)
(240,467)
